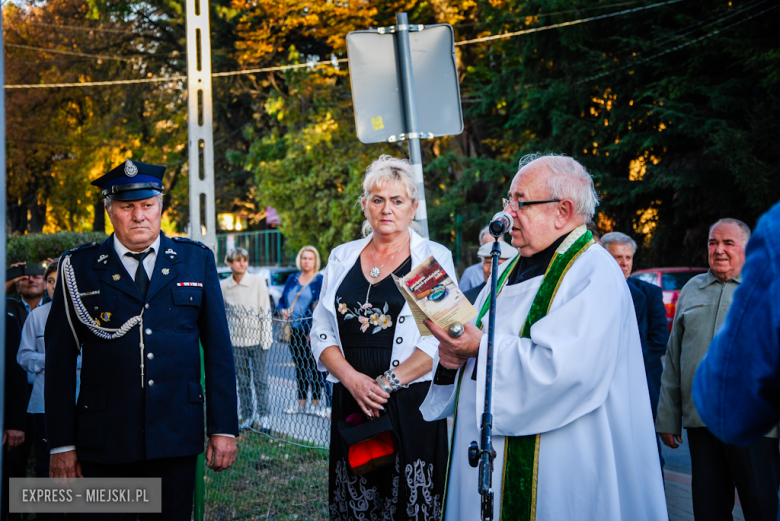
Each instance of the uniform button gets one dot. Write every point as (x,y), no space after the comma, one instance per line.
(395,363)
(399,340)
(190,299)
(148,331)
(151,383)
(401,320)
(86,407)
(323,336)
(96,308)
(150,356)
(146,306)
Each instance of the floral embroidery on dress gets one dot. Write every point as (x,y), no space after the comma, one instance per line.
(367,315)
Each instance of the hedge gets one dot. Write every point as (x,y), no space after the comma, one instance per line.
(36,247)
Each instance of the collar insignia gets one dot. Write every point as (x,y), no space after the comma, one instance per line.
(169,251)
(102,258)
(130,169)
(165,271)
(115,277)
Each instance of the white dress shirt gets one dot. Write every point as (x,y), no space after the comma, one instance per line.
(131,263)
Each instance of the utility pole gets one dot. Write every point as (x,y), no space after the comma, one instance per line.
(199,123)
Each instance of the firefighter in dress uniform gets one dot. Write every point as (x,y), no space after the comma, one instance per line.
(137,306)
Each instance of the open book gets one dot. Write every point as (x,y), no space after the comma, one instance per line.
(431,293)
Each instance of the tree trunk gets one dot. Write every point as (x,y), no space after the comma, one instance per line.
(37,216)
(99,221)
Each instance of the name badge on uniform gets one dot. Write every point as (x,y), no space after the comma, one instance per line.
(192,284)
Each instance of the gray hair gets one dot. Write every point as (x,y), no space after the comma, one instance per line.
(744,228)
(569,180)
(107,201)
(484,231)
(388,169)
(235,254)
(617,238)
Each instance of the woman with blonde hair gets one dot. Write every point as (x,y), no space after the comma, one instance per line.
(299,297)
(365,336)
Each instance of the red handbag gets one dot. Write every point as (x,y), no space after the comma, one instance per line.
(371,444)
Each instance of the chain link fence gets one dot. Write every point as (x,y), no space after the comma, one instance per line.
(284,414)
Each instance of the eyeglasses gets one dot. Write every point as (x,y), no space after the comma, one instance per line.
(515,205)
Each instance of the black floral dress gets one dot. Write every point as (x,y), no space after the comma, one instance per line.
(413,487)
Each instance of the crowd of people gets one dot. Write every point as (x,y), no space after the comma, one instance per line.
(588,381)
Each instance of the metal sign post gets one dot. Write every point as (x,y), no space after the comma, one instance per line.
(405,87)
(199,124)
(410,115)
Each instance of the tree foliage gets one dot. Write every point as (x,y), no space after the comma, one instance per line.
(671,108)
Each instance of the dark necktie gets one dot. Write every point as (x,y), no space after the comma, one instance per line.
(141,278)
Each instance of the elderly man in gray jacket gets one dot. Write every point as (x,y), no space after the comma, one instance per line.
(716,467)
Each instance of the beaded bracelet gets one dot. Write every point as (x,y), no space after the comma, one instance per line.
(393,380)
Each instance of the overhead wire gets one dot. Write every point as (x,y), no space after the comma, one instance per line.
(677,47)
(70,53)
(88,28)
(343,60)
(554,13)
(667,38)
(562,24)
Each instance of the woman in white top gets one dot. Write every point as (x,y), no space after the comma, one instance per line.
(32,358)
(363,330)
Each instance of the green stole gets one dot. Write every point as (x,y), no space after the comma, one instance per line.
(521,453)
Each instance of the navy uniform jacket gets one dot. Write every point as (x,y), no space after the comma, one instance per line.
(656,338)
(115,419)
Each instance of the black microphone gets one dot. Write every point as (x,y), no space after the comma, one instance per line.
(500,224)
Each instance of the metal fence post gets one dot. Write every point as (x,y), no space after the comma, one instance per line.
(410,112)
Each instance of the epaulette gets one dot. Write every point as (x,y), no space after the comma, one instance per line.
(190,241)
(81,247)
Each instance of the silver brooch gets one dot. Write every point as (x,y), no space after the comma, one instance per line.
(130,169)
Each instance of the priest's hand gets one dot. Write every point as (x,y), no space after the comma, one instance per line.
(671,440)
(454,352)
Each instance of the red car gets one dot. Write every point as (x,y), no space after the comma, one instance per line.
(671,281)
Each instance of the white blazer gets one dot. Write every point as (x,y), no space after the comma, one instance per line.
(325,329)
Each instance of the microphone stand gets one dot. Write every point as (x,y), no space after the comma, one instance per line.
(485,454)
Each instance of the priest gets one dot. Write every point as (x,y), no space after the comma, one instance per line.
(573,430)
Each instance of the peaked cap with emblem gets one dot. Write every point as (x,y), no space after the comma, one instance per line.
(131,181)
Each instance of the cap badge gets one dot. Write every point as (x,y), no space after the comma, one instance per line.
(165,271)
(130,169)
(115,277)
